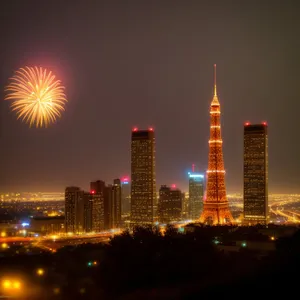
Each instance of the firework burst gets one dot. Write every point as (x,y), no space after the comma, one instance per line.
(37,97)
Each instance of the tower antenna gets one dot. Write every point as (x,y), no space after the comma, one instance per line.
(193,168)
(215,80)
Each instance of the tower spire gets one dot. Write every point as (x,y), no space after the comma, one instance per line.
(215,205)
(215,80)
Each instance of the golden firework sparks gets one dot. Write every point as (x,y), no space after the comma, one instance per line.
(38,98)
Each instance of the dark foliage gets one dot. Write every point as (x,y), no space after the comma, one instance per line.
(149,265)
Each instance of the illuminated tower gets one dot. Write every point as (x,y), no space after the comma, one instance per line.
(215,206)
(255,173)
(143,185)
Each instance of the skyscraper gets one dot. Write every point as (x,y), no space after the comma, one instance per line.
(74,209)
(185,206)
(88,208)
(97,191)
(116,204)
(196,187)
(125,182)
(169,204)
(215,206)
(256,173)
(143,183)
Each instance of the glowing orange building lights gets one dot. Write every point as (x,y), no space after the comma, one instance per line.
(215,206)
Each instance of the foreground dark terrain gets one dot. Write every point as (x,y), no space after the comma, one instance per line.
(147,265)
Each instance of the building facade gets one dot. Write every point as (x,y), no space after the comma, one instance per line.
(116,204)
(256,173)
(125,195)
(97,198)
(169,205)
(87,215)
(74,210)
(143,182)
(185,206)
(196,190)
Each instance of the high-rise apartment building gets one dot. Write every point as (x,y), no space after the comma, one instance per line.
(125,182)
(108,207)
(87,215)
(185,206)
(74,209)
(97,198)
(105,205)
(169,204)
(255,173)
(196,189)
(116,204)
(143,183)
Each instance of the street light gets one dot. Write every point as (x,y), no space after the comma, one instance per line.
(11,285)
(40,272)
(4,246)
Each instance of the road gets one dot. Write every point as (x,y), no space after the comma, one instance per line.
(54,242)
(278,209)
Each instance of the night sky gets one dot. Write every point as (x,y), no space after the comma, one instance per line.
(150,63)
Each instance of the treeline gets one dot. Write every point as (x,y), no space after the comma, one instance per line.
(149,265)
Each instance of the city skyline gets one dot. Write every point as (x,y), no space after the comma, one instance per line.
(111,71)
(149,148)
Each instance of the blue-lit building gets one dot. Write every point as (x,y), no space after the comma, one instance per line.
(196,191)
(125,195)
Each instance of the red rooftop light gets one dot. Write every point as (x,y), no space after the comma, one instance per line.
(135,129)
(150,128)
(247,123)
(173,186)
(92,192)
(264,123)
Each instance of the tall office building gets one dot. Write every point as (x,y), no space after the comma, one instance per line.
(116,204)
(215,206)
(196,188)
(88,208)
(106,205)
(185,206)
(143,183)
(125,182)
(255,173)
(74,209)
(169,204)
(98,211)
